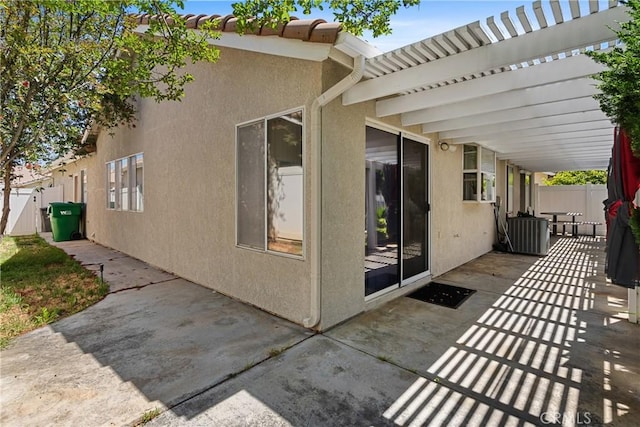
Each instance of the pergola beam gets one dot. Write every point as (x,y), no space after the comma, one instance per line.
(524,149)
(507,140)
(551,130)
(574,67)
(576,151)
(523,125)
(579,88)
(575,34)
(549,109)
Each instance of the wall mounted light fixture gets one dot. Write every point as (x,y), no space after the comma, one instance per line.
(445,146)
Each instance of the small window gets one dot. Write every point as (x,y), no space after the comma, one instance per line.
(270,184)
(125,183)
(479,174)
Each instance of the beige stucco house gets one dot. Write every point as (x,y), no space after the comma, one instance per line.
(268,184)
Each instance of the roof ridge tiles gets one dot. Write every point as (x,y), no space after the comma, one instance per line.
(310,30)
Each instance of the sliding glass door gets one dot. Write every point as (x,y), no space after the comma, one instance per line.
(396,210)
(382,211)
(415,204)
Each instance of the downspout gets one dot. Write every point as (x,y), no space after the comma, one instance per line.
(316,184)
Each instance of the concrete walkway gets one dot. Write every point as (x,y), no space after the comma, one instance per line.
(543,341)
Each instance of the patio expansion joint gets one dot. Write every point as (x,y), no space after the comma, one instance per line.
(137,288)
(229,377)
(98,263)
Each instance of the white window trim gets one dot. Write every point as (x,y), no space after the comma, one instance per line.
(132,181)
(117,170)
(479,171)
(266,249)
(108,187)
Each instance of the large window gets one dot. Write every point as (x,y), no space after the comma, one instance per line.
(125,183)
(270,183)
(479,174)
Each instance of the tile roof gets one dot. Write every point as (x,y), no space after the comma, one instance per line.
(311,30)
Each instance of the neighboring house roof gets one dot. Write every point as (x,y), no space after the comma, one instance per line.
(28,175)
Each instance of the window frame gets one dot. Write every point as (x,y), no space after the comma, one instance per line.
(265,119)
(480,173)
(115,165)
(111,169)
(510,205)
(124,168)
(133,174)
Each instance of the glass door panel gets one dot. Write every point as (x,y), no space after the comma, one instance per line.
(415,208)
(382,211)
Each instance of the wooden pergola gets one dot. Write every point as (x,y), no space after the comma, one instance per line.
(519,84)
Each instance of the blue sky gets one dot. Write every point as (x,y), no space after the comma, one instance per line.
(432,17)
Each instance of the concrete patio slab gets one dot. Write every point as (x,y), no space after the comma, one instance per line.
(85,251)
(132,352)
(128,273)
(319,382)
(543,341)
(119,270)
(554,344)
(410,332)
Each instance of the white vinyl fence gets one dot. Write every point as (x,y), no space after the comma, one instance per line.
(25,216)
(586,199)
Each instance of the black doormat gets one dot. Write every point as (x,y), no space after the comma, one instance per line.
(441,294)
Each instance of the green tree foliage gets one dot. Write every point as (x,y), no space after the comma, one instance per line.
(578,178)
(620,83)
(65,65)
(355,15)
(620,86)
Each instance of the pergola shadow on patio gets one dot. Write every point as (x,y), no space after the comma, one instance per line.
(542,341)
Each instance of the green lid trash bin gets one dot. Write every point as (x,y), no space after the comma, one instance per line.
(65,220)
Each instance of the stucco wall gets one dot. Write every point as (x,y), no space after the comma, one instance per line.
(343,153)
(460,231)
(188,223)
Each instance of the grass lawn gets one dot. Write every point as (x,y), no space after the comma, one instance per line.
(39,284)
